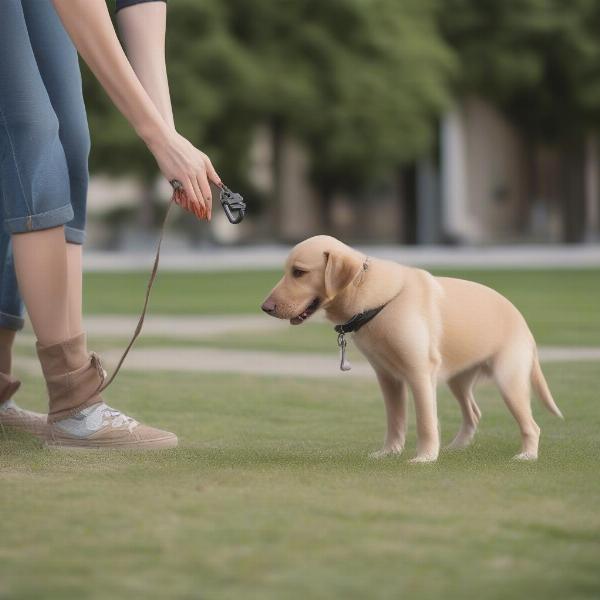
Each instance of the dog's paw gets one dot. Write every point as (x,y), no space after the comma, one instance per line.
(459,444)
(392,451)
(423,458)
(523,456)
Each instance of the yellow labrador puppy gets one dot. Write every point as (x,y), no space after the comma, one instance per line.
(417,330)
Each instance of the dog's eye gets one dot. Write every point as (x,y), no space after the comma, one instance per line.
(298,273)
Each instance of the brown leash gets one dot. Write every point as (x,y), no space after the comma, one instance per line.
(235,210)
(139,326)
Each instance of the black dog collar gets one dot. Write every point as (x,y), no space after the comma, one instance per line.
(358,320)
(354,324)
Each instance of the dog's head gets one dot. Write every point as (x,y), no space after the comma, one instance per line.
(316,271)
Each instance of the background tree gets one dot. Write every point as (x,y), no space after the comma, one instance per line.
(359,83)
(538,60)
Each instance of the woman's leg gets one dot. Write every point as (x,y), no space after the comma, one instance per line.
(34,184)
(59,69)
(41,265)
(11,320)
(33,181)
(11,305)
(7,338)
(77,414)
(75,288)
(16,193)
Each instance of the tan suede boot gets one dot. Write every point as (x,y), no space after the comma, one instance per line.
(13,416)
(78,416)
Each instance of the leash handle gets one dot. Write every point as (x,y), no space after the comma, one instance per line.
(235,209)
(233,204)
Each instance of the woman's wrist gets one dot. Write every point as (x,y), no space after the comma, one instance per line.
(154,131)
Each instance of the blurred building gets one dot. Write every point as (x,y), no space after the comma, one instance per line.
(486,183)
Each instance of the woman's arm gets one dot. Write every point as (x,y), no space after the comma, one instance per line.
(89,26)
(142,29)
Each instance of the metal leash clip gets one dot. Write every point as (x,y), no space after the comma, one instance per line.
(233,204)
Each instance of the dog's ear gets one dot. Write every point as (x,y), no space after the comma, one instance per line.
(340,270)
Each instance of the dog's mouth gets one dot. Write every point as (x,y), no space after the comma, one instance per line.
(308,311)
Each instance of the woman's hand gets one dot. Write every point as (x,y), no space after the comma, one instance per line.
(142,28)
(178,159)
(89,25)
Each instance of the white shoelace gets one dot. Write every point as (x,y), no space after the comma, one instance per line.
(92,419)
(117,419)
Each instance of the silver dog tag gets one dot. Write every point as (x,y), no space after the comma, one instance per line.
(344,363)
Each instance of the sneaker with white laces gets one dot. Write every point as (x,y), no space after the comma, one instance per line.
(18,418)
(100,426)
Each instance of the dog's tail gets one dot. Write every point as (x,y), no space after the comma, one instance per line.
(541,387)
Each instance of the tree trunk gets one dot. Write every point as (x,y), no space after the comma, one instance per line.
(592,191)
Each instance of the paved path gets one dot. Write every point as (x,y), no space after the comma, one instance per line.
(213,360)
(273,256)
(283,364)
(182,327)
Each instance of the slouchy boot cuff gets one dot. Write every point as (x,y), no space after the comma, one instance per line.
(8,386)
(73,376)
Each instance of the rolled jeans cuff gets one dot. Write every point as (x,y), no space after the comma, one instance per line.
(45,220)
(74,236)
(12,322)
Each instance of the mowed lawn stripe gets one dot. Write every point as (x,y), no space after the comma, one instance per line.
(560,305)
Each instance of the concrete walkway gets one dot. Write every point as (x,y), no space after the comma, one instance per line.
(213,258)
(282,364)
(181,327)
(201,359)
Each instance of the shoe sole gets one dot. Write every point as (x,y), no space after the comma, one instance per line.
(38,432)
(68,444)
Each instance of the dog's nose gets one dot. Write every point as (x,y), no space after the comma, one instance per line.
(268,306)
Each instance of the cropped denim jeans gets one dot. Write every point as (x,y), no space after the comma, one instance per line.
(44,137)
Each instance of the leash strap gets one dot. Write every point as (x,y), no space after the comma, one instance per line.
(138,328)
(235,209)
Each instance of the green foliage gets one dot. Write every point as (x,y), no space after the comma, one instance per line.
(359,82)
(537,59)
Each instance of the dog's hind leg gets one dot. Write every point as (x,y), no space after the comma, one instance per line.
(395,395)
(512,374)
(462,387)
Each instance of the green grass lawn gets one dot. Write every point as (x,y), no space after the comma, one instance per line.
(271,495)
(561,306)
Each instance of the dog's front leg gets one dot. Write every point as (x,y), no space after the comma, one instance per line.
(395,395)
(428,437)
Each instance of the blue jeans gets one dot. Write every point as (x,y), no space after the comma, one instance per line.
(44,137)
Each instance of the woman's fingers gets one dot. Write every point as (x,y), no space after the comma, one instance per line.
(210,170)
(191,194)
(181,199)
(188,187)
(200,205)
(206,193)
